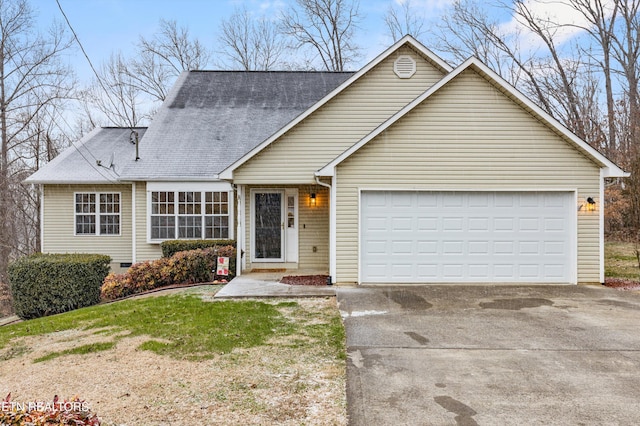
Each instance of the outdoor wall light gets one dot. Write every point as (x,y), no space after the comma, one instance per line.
(312,198)
(589,205)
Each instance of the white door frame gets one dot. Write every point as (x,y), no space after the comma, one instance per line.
(289,234)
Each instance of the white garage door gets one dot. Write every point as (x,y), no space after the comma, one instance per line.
(458,237)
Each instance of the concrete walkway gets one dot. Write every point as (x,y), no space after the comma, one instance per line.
(267,285)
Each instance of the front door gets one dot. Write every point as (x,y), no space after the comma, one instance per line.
(268,225)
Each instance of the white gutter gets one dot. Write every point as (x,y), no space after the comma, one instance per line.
(332,228)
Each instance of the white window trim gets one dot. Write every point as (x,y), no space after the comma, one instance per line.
(97,214)
(190,187)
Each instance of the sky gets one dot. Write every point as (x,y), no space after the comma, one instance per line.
(107,26)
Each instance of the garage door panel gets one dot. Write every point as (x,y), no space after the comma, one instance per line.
(529,271)
(479,272)
(555,248)
(529,224)
(479,200)
(505,271)
(427,271)
(478,224)
(452,200)
(453,224)
(503,224)
(401,224)
(478,247)
(467,237)
(402,248)
(453,270)
(529,248)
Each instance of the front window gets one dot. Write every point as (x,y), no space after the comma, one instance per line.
(189,215)
(97,213)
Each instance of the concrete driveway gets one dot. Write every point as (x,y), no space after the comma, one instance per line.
(492,355)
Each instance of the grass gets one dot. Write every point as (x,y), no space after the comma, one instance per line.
(78,350)
(620,260)
(183,326)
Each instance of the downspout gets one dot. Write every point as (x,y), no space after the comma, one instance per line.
(134,227)
(41,189)
(239,229)
(601,227)
(332,242)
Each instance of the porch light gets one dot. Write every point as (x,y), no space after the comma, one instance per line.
(588,205)
(312,198)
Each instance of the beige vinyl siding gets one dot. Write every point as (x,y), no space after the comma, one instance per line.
(313,229)
(467,136)
(340,123)
(144,250)
(59,224)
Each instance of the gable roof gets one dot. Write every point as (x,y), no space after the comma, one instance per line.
(212,118)
(78,163)
(406,40)
(610,169)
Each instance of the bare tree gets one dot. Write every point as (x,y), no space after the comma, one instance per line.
(468,30)
(327,27)
(249,43)
(116,95)
(404,19)
(601,18)
(554,78)
(127,91)
(161,58)
(32,78)
(626,51)
(43,141)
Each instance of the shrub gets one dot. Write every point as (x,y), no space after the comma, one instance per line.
(47,284)
(116,285)
(171,247)
(185,267)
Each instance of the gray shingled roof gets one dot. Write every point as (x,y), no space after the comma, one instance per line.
(212,118)
(77,164)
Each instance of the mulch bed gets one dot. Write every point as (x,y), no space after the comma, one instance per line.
(622,283)
(305,279)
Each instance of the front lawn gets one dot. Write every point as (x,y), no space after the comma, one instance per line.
(620,260)
(185,359)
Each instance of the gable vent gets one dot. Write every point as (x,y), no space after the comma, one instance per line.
(404,67)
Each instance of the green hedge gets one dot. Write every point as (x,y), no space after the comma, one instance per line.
(47,284)
(171,247)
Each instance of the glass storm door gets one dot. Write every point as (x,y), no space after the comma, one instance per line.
(268,226)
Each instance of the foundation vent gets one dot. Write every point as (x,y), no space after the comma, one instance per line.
(404,67)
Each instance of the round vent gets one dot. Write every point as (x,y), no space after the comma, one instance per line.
(404,67)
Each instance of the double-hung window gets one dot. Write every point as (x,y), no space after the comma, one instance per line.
(97,213)
(189,215)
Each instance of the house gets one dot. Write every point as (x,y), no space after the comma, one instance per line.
(407,171)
